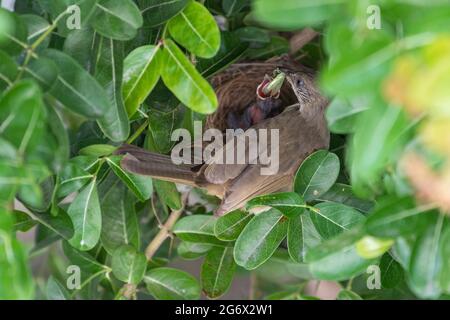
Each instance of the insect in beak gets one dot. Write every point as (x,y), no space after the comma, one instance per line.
(271,87)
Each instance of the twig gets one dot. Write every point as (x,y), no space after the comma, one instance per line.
(165,231)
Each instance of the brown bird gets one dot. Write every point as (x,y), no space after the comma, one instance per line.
(302,130)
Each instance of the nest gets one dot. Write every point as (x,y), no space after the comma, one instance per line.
(236,87)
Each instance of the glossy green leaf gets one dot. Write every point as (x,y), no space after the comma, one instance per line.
(231,49)
(117,19)
(336,259)
(8,70)
(181,77)
(44,71)
(231,7)
(348,295)
(13,32)
(316,174)
(391,272)
(141,73)
(36,26)
(230,226)
(196,30)
(257,37)
(217,272)
(108,72)
(161,126)
(343,193)
(394,217)
(86,217)
(426,260)
(192,250)
(157,12)
(276,47)
(302,235)
(197,229)
(288,203)
(119,220)
(260,238)
(76,89)
(341,115)
(172,284)
(22,115)
(294,14)
(83,260)
(168,193)
(72,178)
(128,265)
(98,150)
(382,126)
(370,247)
(56,290)
(141,186)
(330,219)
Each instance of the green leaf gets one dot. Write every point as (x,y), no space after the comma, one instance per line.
(36,26)
(394,217)
(198,229)
(157,12)
(72,178)
(141,186)
(288,203)
(141,73)
(22,115)
(277,47)
(168,193)
(260,238)
(44,71)
(172,284)
(302,235)
(347,295)
(86,217)
(294,14)
(180,76)
(334,218)
(382,126)
(316,174)
(108,72)
(230,226)
(98,150)
(161,127)
(15,276)
(196,30)
(192,250)
(370,247)
(22,221)
(128,265)
(76,89)
(8,70)
(56,291)
(83,260)
(341,115)
(343,193)
(59,8)
(117,19)
(231,7)
(217,272)
(257,37)
(119,220)
(231,49)
(336,259)
(426,260)
(13,32)
(391,272)
(82,45)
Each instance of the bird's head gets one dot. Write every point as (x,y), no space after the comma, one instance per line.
(307,93)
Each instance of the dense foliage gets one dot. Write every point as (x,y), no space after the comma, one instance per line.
(372,207)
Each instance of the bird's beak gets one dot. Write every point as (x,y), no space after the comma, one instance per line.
(271,88)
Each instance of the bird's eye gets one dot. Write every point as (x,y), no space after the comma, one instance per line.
(300,82)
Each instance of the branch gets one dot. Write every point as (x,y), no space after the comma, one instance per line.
(165,231)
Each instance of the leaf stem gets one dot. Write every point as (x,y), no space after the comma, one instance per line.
(138,131)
